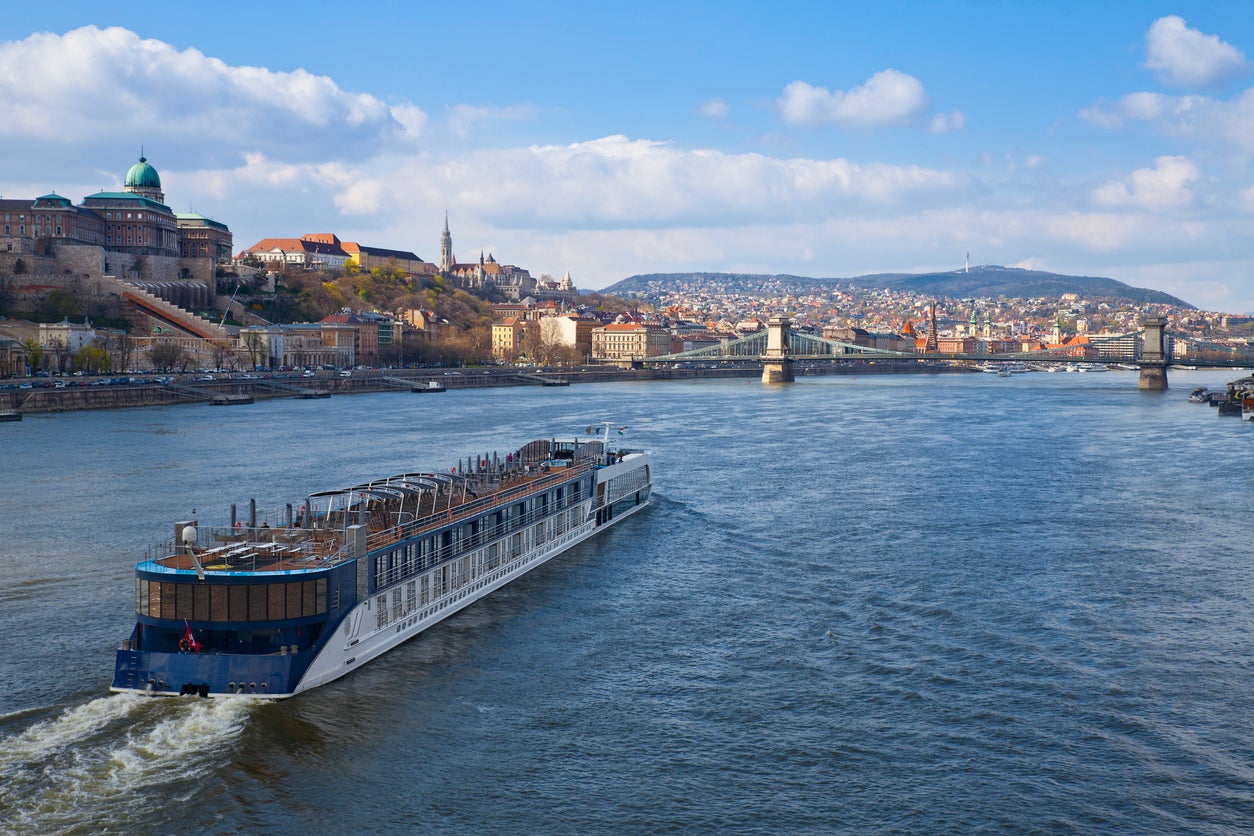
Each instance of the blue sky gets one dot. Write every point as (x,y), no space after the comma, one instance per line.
(823,139)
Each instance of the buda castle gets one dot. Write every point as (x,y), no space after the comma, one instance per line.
(130,234)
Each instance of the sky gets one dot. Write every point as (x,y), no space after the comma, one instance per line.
(607,139)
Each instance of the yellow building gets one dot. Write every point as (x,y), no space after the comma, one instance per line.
(629,341)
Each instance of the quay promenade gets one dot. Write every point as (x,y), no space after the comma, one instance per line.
(235,389)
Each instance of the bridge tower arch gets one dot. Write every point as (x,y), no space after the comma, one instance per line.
(1153,356)
(776,364)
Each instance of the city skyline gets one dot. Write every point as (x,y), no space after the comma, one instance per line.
(796,139)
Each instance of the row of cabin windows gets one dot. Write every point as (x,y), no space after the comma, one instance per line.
(230,602)
(421,555)
(405,600)
(402,601)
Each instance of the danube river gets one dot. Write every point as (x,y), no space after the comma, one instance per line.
(924,604)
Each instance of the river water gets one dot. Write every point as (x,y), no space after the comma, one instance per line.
(924,604)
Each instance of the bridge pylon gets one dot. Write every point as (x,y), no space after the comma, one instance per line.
(1153,356)
(776,364)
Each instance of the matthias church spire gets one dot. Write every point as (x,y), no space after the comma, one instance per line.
(446,249)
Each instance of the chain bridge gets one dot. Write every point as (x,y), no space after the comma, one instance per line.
(778,347)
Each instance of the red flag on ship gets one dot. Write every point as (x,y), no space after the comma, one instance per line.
(188,642)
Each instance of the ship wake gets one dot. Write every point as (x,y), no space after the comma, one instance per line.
(88,769)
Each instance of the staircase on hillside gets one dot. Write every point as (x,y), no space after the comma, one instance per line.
(155,308)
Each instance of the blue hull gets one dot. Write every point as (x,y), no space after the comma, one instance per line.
(148,672)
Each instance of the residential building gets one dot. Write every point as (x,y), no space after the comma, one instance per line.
(369,258)
(571,331)
(318,251)
(507,338)
(629,341)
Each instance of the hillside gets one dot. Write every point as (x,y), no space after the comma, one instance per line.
(983,281)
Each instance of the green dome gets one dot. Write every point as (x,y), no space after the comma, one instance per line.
(142,176)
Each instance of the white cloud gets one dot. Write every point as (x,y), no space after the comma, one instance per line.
(714,108)
(888,97)
(110,83)
(1168,185)
(943,123)
(462,118)
(616,181)
(1182,56)
(1201,118)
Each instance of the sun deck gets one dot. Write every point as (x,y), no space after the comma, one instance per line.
(391,510)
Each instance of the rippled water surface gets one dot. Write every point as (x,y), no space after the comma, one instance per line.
(901,603)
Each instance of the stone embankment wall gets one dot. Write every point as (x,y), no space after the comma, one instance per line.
(116,397)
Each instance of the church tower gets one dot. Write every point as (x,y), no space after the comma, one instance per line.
(446,249)
(931,329)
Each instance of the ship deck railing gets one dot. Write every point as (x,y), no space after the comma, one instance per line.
(549,474)
(264,548)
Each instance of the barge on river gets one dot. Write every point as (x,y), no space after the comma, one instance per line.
(276,607)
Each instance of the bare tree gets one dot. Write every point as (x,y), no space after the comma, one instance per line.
(223,354)
(255,345)
(167,355)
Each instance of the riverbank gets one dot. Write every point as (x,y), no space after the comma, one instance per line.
(46,399)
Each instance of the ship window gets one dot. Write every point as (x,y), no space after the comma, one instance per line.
(184,601)
(238,603)
(217,603)
(277,595)
(425,590)
(257,603)
(293,599)
(411,596)
(381,612)
(396,604)
(311,598)
(321,595)
(167,600)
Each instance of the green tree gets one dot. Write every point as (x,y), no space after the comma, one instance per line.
(92,359)
(34,353)
(57,305)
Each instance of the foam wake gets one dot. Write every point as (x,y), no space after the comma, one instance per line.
(91,768)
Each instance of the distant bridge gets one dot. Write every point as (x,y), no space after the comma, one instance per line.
(778,347)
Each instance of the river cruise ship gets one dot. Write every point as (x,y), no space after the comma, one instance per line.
(273,607)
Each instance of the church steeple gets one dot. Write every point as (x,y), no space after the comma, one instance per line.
(446,248)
